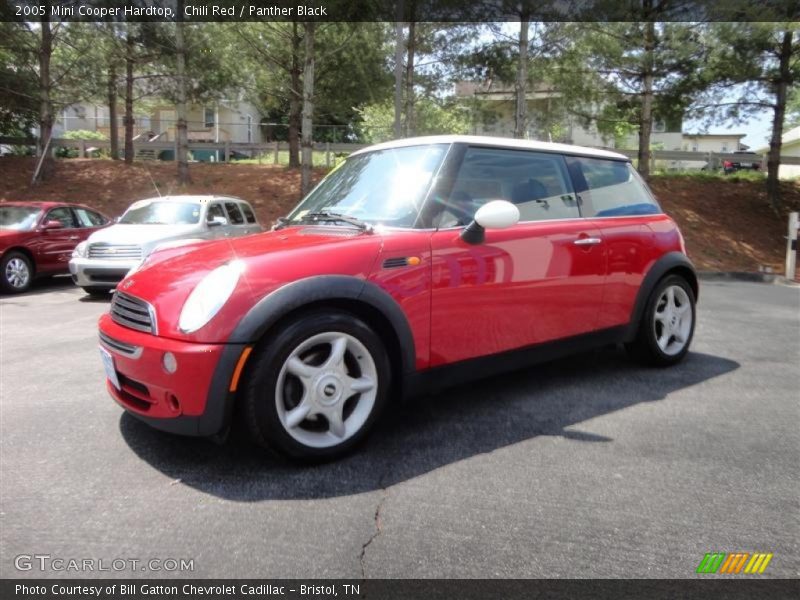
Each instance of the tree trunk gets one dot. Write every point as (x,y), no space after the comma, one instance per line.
(646,113)
(398,79)
(128,118)
(521,84)
(113,133)
(775,142)
(45,167)
(182,150)
(295,101)
(410,125)
(308,111)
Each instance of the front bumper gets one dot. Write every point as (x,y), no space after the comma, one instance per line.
(90,272)
(194,400)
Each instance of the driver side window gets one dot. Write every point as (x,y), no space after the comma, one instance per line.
(62,215)
(536,182)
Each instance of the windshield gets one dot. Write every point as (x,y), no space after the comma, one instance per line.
(153,212)
(21,218)
(380,187)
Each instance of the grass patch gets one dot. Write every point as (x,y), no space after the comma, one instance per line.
(697,175)
(318,159)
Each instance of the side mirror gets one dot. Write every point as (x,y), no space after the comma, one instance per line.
(217,221)
(497,214)
(53,225)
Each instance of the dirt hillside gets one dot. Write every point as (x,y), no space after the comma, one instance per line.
(728,224)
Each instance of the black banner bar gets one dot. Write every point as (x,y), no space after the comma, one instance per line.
(744,587)
(398,10)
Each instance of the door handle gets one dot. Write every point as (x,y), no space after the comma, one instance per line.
(73,237)
(587,241)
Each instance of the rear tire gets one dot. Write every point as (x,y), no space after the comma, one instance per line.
(667,326)
(316,386)
(16,273)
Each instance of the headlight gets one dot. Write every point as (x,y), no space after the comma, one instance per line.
(80,250)
(209,296)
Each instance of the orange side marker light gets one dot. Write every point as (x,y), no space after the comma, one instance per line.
(237,372)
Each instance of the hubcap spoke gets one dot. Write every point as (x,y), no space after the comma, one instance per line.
(296,416)
(362,384)
(335,422)
(336,359)
(299,368)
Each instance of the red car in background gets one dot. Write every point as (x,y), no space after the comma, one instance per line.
(414,264)
(37,238)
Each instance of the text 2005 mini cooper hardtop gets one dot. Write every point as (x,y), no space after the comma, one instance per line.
(415,263)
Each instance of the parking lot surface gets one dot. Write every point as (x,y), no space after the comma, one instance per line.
(586,467)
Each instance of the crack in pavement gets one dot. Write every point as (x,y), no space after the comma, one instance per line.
(375,534)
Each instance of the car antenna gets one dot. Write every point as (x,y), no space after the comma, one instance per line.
(147,170)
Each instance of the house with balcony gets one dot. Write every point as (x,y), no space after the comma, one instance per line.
(225,121)
(493,108)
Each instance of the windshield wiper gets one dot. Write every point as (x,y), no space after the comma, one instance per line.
(332,217)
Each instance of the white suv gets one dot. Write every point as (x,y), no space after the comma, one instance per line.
(101,262)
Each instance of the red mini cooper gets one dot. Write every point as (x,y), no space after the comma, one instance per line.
(413,265)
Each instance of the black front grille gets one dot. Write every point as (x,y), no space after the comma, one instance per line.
(132,312)
(121,347)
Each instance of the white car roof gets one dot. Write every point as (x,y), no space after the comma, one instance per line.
(498,142)
(201,199)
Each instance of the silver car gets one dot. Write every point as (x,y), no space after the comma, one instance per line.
(102,261)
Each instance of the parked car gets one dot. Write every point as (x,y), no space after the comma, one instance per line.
(100,263)
(749,161)
(37,239)
(415,264)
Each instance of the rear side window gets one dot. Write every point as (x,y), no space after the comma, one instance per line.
(610,188)
(234,213)
(248,213)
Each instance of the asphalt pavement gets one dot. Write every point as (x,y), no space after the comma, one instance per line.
(586,467)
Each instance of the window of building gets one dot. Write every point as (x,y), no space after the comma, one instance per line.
(209,117)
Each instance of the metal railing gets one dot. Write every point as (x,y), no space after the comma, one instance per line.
(271,150)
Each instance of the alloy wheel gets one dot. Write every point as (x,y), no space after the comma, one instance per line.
(672,320)
(17,273)
(326,389)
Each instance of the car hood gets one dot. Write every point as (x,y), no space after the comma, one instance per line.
(270,260)
(147,236)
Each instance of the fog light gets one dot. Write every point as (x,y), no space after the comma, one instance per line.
(170,362)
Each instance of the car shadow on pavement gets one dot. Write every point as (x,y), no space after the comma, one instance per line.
(426,433)
(44,285)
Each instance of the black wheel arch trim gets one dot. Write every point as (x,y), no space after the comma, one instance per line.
(669,262)
(292,296)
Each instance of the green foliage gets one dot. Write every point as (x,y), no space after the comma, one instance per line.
(17,82)
(600,67)
(432,117)
(77,134)
(718,175)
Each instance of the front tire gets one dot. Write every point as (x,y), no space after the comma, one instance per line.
(667,325)
(16,273)
(316,387)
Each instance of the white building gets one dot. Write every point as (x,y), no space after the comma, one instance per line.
(218,122)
